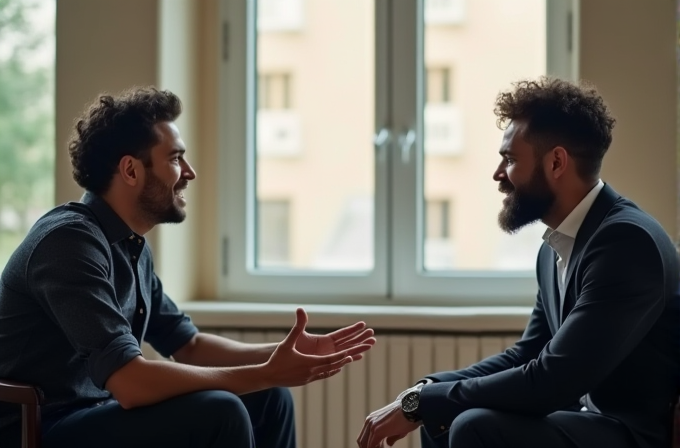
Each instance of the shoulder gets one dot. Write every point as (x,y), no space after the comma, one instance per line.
(67,231)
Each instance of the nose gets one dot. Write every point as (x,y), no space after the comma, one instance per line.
(188,172)
(499,174)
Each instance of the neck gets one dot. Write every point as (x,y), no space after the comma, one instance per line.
(127,210)
(567,201)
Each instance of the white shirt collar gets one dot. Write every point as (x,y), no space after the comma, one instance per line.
(573,221)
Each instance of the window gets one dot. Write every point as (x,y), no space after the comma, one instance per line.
(385,148)
(27,50)
(437,86)
(274,233)
(274,91)
(280,15)
(444,12)
(443,119)
(278,124)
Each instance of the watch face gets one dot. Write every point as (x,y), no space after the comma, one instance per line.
(410,402)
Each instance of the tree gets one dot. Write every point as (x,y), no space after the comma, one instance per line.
(26,110)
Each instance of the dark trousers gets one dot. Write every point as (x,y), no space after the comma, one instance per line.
(485,428)
(209,419)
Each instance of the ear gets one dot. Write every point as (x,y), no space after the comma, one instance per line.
(558,160)
(130,170)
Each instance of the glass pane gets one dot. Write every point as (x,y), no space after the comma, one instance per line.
(315,123)
(473,50)
(27,48)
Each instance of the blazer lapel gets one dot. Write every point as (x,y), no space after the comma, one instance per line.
(603,203)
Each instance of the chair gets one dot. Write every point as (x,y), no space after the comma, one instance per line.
(30,398)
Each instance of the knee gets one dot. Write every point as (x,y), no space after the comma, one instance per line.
(281,399)
(468,426)
(221,408)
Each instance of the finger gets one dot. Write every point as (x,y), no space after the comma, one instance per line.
(325,375)
(365,332)
(295,332)
(393,439)
(362,339)
(346,332)
(335,357)
(332,366)
(365,431)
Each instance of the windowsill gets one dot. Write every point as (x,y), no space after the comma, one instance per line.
(405,318)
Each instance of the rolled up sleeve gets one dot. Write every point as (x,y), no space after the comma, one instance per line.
(69,274)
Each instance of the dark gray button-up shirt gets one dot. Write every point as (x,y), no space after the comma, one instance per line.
(76,299)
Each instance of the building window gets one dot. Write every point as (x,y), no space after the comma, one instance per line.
(273,233)
(274,91)
(438,85)
(444,12)
(437,219)
(278,124)
(280,15)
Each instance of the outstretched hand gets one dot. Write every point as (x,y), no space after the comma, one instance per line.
(289,366)
(337,341)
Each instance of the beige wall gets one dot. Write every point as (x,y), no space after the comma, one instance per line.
(627,50)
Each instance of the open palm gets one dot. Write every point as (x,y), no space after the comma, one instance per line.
(336,341)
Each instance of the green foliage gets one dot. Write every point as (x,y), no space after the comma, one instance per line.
(26,112)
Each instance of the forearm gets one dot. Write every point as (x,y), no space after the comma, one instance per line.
(141,382)
(212,351)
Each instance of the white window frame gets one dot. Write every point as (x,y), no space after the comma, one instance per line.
(398,276)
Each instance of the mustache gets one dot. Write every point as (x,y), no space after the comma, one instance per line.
(505,187)
(182,185)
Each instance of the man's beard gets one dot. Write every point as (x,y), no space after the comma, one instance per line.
(157,201)
(526,204)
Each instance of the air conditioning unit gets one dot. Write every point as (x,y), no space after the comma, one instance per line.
(444,12)
(278,133)
(443,129)
(280,15)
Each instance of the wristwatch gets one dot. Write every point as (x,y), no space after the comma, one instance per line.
(410,402)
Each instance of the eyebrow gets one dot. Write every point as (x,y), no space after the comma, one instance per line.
(505,152)
(176,151)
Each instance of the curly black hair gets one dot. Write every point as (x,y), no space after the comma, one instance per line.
(115,126)
(560,113)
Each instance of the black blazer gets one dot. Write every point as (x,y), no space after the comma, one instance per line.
(617,349)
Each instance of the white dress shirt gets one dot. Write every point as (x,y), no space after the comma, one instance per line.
(562,239)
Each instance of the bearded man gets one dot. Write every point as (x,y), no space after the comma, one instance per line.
(79,295)
(599,362)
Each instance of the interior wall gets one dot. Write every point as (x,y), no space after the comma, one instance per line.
(628,52)
(627,48)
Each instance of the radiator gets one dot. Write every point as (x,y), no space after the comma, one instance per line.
(330,414)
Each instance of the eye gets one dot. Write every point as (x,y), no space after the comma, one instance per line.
(509,161)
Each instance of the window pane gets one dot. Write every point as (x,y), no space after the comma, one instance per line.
(274,232)
(473,50)
(315,123)
(26,117)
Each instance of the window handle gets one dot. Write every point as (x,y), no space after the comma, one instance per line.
(381,140)
(406,141)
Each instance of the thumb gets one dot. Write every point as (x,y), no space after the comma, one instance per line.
(298,328)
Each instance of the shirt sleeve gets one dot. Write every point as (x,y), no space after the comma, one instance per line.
(69,274)
(169,329)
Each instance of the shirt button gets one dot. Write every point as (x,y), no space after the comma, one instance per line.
(443,428)
(141,311)
(139,241)
(132,237)
(134,257)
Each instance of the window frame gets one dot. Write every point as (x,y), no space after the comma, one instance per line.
(398,276)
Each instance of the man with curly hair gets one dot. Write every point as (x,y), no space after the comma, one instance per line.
(599,362)
(79,295)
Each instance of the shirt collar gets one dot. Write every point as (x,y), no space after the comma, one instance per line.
(113,226)
(573,221)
